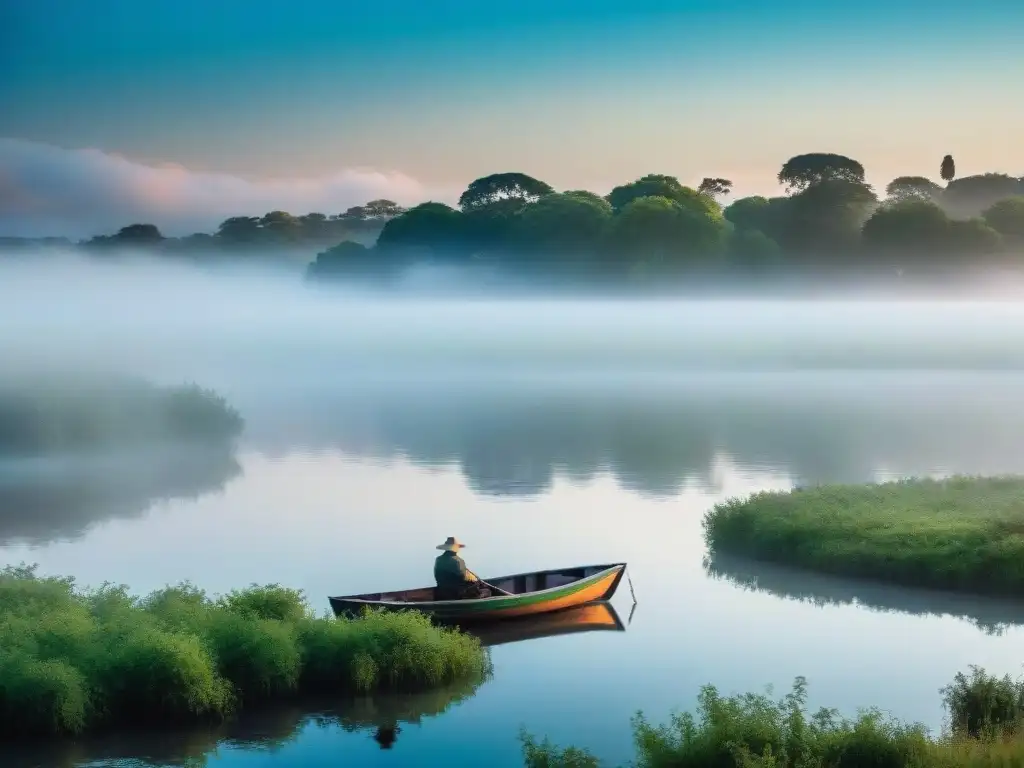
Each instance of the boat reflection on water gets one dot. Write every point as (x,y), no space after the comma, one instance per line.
(381,716)
(592,617)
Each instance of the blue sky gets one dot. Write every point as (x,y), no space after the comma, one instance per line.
(580,93)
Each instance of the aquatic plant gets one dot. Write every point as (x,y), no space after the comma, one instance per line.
(755,731)
(961,533)
(76,660)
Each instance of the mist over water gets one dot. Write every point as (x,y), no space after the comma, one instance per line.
(230,325)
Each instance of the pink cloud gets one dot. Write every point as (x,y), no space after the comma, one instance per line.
(48,190)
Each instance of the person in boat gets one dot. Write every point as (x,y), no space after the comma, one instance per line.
(454,580)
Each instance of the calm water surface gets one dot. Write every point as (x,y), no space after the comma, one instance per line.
(347,487)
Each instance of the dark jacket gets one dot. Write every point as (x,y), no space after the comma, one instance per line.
(450,570)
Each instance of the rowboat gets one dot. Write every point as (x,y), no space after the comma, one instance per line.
(528,594)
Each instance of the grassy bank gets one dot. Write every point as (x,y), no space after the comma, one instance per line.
(957,534)
(756,731)
(73,660)
(50,414)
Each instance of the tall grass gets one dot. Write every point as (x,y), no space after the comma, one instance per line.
(42,416)
(77,660)
(963,533)
(754,731)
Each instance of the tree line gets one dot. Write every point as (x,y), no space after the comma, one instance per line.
(272,231)
(829,219)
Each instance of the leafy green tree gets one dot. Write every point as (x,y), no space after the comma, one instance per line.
(375,210)
(486,228)
(803,171)
(1007,218)
(919,234)
(767,215)
(907,227)
(751,250)
(655,185)
(434,227)
(280,227)
(502,186)
(825,219)
(973,238)
(239,230)
(139,234)
(912,188)
(947,170)
(715,187)
(567,225)
(662,232)
(355,213)
(970,195)
(593,197)
(343,260)
(134,235)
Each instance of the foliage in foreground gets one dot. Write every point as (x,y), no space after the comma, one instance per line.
(77,660)
(755,731)
(56,414)
(962,533)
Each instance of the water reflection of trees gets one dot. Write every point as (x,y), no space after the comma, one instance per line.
(991,615)
(380,717)
(516,441)
(43,500)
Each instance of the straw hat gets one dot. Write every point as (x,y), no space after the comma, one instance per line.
(451,545)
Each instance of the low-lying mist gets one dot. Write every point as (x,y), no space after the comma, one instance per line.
(245,324)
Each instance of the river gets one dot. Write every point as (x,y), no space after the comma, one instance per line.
(345,483)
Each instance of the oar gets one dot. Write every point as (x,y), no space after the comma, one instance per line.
(492,587)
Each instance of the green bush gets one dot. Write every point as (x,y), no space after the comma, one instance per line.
(962,533)
(982,705)
(76,660)
(755,731)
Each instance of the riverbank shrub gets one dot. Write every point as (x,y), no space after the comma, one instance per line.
(755,731)
(53,414)
(75,660)
(962,533)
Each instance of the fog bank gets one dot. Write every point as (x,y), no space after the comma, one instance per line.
(225,326)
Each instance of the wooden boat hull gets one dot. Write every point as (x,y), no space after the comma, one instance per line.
(531,594)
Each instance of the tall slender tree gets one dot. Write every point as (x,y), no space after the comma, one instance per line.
(948,169)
